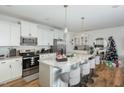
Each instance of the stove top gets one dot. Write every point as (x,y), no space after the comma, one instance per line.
(30,54)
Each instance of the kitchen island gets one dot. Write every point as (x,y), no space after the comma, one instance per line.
(50,69)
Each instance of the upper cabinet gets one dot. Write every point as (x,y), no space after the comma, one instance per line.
(14,34)
(45,36)
(4,33)
(9,34)
(50,37)
(58,34)
(33,29)
(80,39)
(28,29)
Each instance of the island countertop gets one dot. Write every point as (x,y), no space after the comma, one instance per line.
(51,61)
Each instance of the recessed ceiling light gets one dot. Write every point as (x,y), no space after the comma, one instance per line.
(115,6)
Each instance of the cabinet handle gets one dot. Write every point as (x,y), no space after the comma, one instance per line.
(3,62)
(17,60)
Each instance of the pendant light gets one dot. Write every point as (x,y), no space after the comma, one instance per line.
(66,28)
(82,18)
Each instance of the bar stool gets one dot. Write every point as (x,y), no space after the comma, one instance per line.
(72,77)
(97,60)
(74,80)
(92,69)
(85,71)
(65,74)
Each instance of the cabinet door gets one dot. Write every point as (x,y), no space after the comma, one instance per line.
(4,34)
(55,34)
(41,37)
(45,37)
(60,34)
(25,29)
(15,34)
(33,30)
(50,37)
(5,71)
(16,66)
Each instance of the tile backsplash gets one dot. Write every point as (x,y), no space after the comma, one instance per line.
(5,50)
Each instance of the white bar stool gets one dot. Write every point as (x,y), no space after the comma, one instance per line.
(85,71)
(72,78)
(92,68)
(97,60)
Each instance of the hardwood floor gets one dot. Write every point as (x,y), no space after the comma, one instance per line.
(107,78)
(21,83)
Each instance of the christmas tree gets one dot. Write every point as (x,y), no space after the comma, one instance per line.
(111,53)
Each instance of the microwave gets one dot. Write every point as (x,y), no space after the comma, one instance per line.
(28,41)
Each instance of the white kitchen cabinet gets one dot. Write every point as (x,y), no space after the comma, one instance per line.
(55,34)
(58,34)
(50,37)
(4,33)
(42,36)
(15,34)
(9,34)
(10,69)
(16,65)
(33,29)
(5,71)
(25,32)
(28,29)
(76,40)
(45,37)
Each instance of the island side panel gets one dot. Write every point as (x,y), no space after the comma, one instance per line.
(44,75)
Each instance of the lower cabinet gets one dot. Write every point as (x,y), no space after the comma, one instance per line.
(16,68)
(10,69)
(5,71)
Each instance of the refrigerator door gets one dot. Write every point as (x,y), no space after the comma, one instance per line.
(58,45)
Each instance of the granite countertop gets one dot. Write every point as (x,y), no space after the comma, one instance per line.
(8,58)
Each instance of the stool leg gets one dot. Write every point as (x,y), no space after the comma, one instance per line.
(90,80)
(84,81)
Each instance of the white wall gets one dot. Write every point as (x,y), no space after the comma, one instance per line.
(116,32)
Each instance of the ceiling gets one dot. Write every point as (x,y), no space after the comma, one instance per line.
(96,16)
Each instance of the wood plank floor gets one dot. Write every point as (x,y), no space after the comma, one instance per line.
(107,78)
(21,83)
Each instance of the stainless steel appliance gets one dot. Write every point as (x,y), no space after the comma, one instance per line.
(59,44)
(28,41)
(30,63)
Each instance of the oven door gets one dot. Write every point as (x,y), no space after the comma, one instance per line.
(30,66)
(26,63)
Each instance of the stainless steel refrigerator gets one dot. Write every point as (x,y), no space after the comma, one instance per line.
(59,44)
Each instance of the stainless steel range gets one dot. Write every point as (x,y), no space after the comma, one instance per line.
(30,63)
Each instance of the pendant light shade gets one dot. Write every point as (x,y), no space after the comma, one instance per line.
(82,18)
(66,30)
